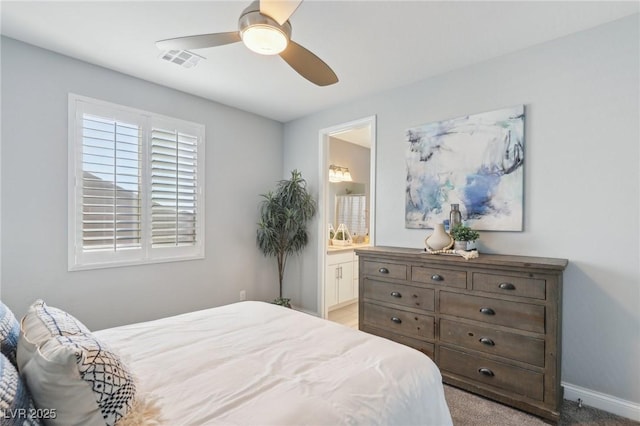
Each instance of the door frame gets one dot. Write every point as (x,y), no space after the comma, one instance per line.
(323,182)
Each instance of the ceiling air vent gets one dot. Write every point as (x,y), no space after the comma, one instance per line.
(184,58)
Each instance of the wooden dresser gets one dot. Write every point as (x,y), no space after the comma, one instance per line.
(491,324)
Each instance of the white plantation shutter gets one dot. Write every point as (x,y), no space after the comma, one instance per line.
(136,184)
(174,159)
(351,210)
(111,171)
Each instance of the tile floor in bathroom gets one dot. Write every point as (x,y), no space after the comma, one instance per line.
(347,315)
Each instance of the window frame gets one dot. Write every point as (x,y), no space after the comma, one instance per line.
(78,258)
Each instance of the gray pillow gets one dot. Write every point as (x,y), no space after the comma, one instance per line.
(9,333)
(16,405)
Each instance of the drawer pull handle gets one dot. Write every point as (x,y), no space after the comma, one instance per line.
(396,294)
(487,311)
(396,320)
(485,372)
(487,341)
(383,270)
(507,286)
(437,277)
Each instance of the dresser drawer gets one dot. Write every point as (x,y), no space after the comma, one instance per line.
(438,276)
(414,297)
(386,270)
(424,347)
(398,321)
(512,286)
(501,343)
(508,377)
(523,316)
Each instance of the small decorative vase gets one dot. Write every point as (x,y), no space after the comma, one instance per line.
(439,240)
(332,233)
(455,217)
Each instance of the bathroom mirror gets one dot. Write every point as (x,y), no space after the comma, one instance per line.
(348,205)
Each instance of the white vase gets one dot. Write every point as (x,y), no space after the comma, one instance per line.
(439,239)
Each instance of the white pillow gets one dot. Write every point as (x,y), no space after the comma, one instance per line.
(68,369)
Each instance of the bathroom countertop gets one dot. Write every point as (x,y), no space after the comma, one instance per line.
(337,249)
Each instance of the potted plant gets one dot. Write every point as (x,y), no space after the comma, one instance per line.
(342,236)
(282,229)
(464,237)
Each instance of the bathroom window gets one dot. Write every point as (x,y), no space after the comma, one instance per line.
(352,211)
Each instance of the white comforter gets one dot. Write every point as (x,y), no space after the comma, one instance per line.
(253,363)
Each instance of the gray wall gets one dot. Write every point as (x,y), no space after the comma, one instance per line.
(581,182)
(243,159)
(357,158)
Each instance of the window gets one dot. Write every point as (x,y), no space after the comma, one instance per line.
(136,185)
(351,210)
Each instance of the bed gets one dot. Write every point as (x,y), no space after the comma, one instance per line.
(253,363)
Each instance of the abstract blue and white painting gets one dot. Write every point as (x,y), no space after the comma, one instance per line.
(476,161)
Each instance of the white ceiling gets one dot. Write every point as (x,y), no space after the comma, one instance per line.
(357,135)
(371,45)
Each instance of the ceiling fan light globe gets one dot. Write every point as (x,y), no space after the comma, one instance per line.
(264,39)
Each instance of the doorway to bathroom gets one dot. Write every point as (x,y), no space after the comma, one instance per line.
(347,214)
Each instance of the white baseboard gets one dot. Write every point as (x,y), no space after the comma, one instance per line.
(601,401)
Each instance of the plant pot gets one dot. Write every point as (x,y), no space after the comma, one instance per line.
(464,245)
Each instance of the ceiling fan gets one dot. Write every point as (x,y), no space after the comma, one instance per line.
(264,28)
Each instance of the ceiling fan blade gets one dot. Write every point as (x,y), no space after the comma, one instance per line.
(198,41)
(308,65)
(279,10)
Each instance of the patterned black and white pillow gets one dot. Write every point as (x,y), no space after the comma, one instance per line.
(55,348)
(16,405)
(9,333)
